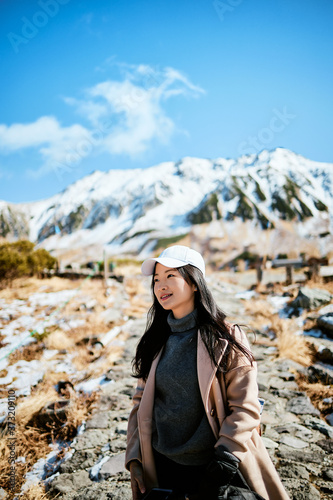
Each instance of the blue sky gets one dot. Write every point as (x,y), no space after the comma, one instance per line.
(90,85)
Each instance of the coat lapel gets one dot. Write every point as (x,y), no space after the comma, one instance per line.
(147,403)
(206,367)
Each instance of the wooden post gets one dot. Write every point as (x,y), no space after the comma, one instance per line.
(106,270)
(259,270)
(289,275)
(315,271)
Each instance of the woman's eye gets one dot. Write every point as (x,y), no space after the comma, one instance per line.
(170,275)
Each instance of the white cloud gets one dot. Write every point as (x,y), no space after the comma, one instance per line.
(53,141)
(125,117)
(135,107)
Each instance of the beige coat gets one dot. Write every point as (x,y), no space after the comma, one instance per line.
(234,423)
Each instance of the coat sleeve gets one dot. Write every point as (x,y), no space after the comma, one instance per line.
(240,391)
(133,451)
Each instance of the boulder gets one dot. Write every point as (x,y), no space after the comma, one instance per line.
(301,405)
(325,323)
(65,484)
(329,419)
(319,425)
(320,372)
(113,466)
(100,420)
(325,354)
(310,298)
(91,439)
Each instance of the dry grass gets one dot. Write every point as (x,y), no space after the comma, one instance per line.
(290,345)
(33,433)
(320,285)
(33,443)
(316,392)
(128,270)
(28,353)
(30,444)
(96,363)
(139,298)
(28,407)
(81,406)
(261,313)
(23,287)
(59,340)
(35,492)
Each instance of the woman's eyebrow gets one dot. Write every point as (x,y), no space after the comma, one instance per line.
(167,271)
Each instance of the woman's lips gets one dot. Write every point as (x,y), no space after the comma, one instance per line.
(165,296)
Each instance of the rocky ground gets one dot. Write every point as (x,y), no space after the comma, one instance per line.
(299,442)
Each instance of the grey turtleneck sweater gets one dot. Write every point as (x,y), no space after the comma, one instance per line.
(182,431)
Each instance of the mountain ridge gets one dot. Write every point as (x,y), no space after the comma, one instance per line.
(130,210)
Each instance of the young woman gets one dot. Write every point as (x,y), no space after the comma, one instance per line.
(196,402)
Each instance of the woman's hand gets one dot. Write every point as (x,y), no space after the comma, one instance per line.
(137,483)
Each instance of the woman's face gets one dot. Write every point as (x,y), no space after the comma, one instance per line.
(172,291)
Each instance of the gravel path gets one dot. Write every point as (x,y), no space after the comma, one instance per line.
(300,443)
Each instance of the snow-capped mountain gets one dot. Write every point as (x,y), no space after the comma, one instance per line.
(130,210)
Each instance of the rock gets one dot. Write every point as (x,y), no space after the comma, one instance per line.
(325,487)
(297,430)
(286,393)
(294,471)
(301,490)
(269,443)
(325,354)
(113,466)
(328,474)
(106,491)
(301,405)
(319,425)
(326,444)
(320,372)
(99,421)
(81,460)
(302,456)
(107,402)
(287,376)
(262,387)
(67,483)
(329,419)
(91,439)
(310,298)
(325,310)
(3,494)
(122,428)
(294,442)
(325,323)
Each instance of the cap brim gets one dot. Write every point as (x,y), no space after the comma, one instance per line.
(147,267)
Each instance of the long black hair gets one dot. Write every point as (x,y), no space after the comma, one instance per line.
(211,322)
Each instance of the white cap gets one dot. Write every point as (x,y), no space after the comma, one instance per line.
(175,256)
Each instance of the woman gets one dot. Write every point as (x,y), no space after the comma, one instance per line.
(197,396)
